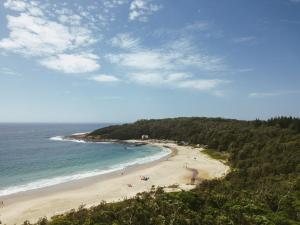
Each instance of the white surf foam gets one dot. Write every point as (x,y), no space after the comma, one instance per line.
(57,138)
(80,133)
(63,179)
(61,138)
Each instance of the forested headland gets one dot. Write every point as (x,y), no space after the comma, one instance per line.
(263,186)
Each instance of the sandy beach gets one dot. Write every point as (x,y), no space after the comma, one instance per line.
(185,166)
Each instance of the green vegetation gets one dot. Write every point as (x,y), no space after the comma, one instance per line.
(222,156)
(262,188)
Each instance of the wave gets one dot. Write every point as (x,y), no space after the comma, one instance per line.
(57,138)
(61,138)
(82,133)
(86,174)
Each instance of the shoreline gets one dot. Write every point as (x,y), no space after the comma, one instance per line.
(180,167)
(72,179)
(87,180)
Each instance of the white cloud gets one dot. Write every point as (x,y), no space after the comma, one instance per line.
(23,6)
(105,78)
(176,80)
(178,54)
(114,3)
(7,71)
(103,12)
(169,66)
(188,56)
(125,41)
(219,93)
(15,5)
(53,37)
(72,63)
(244,39)
(180,45)
(201,84)
(72,19)
(202,29)
(141,9)
(177,77)
(158,78)
(146,78)
(272,93)
(197,26)
(203,62)
(244,70)
(262,94)
(62,39)
(144,59)
(135,14)
(32,35)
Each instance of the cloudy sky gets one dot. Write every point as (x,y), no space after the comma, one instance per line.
(122,60)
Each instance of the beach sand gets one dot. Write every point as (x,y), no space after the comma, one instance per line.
(186,165)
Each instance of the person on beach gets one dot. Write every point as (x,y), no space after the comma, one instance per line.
(144,178)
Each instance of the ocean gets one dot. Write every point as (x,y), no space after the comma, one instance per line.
(34,156)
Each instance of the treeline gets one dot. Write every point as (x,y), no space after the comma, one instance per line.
(262,188)
(282,122)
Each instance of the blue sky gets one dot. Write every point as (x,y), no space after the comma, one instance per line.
(122,60)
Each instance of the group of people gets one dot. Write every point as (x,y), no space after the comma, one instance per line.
(144,178)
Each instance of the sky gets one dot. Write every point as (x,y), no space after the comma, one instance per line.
(124,60)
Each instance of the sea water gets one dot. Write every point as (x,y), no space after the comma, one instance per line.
(34,156)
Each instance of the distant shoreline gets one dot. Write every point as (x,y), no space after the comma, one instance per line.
(175,170)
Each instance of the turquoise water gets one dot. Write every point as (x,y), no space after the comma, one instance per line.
(34,156)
